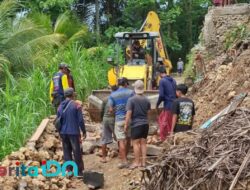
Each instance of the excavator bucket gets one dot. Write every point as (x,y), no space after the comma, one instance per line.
(98,97)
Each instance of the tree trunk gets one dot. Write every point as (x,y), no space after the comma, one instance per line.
(97,10)
(189,23)
(170,6)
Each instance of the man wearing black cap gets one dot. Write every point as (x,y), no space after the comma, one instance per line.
(72,122)
(167,94)
(117,103)
(58,84)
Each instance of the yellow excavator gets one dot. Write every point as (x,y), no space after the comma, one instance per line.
(142,53)
(138,56)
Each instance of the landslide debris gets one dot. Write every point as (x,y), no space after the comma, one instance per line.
(218,159)
(225,46)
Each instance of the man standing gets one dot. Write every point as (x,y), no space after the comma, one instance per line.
(70,77)
(167,94)
(72,121)
(58,84)
(117,102)
(138,108)
(180,67)
(183,110)
(108,123)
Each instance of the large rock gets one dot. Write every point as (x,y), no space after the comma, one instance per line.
(113,146)
(91,128)
(152,130)
(89,147)
(22,185)
(231,95)
(94,180)
(153,150)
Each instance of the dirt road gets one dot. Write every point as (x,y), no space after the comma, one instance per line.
(115,179)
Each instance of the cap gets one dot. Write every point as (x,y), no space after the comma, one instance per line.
(66,66)
(63,65)
(139,87)
(123,81)
(68,92)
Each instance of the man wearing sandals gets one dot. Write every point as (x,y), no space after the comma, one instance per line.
(137,108)
(108,123)
(117,103)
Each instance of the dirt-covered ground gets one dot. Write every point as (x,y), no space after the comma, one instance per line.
(115,179)
(223,81)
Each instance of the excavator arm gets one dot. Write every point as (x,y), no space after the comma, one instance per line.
(153,24)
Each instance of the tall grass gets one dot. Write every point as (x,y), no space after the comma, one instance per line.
(189,71)
(88,66)
(23,105)
(25,100)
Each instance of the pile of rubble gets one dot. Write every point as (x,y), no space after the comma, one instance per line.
(218,159)
(47,148)
(221,84)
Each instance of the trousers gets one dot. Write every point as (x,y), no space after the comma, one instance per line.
(165,123)
(71,147)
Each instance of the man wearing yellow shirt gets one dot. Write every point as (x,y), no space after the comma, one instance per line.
(58,84)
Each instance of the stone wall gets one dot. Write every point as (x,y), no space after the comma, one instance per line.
(221,20)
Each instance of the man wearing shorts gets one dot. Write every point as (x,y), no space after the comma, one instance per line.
(117,103)
(108,122)
(138,107)
(180,66)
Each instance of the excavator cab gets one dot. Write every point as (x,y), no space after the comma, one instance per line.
(136,58)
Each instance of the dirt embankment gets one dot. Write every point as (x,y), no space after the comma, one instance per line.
(227,70)
(220,86)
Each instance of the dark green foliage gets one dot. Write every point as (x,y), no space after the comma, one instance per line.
(237,34)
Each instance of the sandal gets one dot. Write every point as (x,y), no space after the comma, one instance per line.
(132,167)
(103,161)
(123,165)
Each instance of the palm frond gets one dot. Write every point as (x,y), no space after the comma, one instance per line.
(3,61)
(23,56)
(19,38)
(7,11)
(67,24)
(6,70)
(79,35)
(42,21)
(8,8)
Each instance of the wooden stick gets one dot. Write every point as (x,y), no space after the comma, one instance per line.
(39,130)
(240,170)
